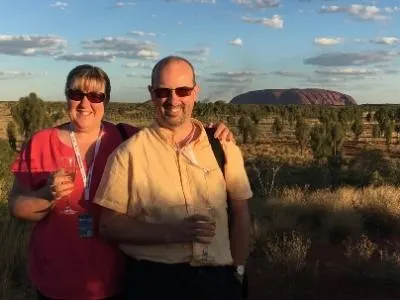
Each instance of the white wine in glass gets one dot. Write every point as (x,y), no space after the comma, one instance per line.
(204,257)
(68,164)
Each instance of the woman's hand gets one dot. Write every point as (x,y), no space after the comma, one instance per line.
(222,132)
(59,185)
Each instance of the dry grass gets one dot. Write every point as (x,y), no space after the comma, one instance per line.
(14,235)
(330,215)
(287,253)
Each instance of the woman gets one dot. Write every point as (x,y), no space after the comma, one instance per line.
(67,257)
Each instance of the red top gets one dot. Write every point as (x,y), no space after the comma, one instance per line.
(61,264)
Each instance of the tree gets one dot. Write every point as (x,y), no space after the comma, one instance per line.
(376,131)
(30,115)
(318,142)
(397,129)
(277,126)
(389,134)
(326,140)
(302,133)
(12,135)
(256,115)
(336,134)
(245,125)
(357,128)
(369,117)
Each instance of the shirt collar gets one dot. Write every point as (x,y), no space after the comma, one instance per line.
(167,135)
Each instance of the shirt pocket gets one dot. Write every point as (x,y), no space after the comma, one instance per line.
(208,185)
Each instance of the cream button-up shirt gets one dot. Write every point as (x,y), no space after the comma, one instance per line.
(149,179)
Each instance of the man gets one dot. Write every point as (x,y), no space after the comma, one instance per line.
(165,200)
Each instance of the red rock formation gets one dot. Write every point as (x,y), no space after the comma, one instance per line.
(294,96)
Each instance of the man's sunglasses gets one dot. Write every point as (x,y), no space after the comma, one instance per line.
(93,97)
(182,91)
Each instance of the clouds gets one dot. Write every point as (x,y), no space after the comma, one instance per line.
(101,50)
(234,78)
(194,1)
(332,9)
(326,41)
(59,5)
(350,59)
(88,57)
(4,75)
(195,55)
(107,49)
(124,47)
(32,45)
(275,22)
(360,12)
(124,4)
(118,44)
(390,10)
(348,71)
(195,52)
(290,74)
(236,42)
(387,40)
(136,65)
(258,3)
(142,33)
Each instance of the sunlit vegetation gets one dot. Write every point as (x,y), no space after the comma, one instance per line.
(326,210)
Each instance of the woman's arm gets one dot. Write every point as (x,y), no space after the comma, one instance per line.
(27,205)
(34,205)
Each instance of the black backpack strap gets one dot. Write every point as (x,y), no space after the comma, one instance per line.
(217,148)
(122,131)
(221,159)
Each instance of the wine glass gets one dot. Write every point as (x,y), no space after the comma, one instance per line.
(67,163)
(204,256)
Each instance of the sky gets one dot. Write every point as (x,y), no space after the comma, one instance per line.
(235,46)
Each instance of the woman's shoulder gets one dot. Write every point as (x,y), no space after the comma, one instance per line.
(123,129)
(43,134)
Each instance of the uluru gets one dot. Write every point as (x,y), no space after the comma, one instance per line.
(294,96)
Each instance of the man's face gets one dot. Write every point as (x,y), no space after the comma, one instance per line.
(174,94)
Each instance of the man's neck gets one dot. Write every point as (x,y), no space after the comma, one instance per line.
(184,134)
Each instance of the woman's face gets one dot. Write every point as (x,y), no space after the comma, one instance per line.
(85,115)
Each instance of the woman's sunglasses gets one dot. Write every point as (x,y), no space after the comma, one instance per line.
(93,97)
(183,91)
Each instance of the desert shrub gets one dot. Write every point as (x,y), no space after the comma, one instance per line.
(343,224)
(362,167)
(390,264)
(287,253)
(359,251)
(13,260)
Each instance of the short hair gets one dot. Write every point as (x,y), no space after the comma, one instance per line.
(86,74)
(165,61)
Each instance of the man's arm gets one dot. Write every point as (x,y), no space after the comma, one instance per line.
(128,230)
(239,231)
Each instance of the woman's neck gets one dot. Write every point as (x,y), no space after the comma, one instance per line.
(88,135)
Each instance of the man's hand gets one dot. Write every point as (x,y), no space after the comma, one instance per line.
(196,228)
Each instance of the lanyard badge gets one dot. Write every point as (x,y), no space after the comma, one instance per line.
(85,221)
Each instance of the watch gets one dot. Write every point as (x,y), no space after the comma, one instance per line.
(240,270)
